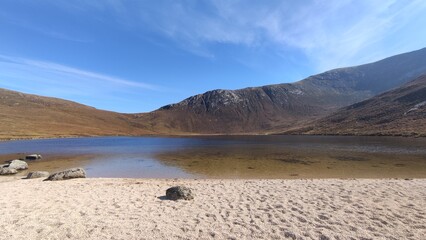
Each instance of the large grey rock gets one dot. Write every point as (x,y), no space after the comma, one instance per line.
(179,192)
(33,157)
(8,171)
(37,174)
(67,174)
(18,165)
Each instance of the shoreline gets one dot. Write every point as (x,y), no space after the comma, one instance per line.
(18,176)
(211,135)
(123,208)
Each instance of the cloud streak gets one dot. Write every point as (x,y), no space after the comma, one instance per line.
(87,87)
(330,33)
(36,66)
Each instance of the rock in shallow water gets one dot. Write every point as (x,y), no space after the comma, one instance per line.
(18,165)
(37,174)
(8,171)
(33,157)
(67,174)
(179,192)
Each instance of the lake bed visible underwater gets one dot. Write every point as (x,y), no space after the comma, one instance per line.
(228,156)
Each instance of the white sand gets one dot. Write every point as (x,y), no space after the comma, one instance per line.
(222,209)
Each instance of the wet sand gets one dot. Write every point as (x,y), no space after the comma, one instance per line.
(222,209)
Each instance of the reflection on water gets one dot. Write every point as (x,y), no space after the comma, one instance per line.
(229,157)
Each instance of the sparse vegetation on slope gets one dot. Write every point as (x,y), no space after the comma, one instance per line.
(259,110)
(31,116)
(401,111)
(280,107)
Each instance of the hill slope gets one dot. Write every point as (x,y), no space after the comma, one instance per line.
(279,107)
(31,116)
(401,111)
(267,109)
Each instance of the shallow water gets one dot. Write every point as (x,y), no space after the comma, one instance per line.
(229,156)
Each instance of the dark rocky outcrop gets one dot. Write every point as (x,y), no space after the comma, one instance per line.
(67,174)
(179,192)
(272,108)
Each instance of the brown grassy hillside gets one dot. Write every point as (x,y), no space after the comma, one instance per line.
(401,111)
(31,116)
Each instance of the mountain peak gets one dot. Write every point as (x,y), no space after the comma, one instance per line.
(279,106)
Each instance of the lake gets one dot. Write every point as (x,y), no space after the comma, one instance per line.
(228,156)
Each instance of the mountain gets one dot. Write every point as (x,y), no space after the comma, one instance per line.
(258,110)
(31,116)
(279,107)
(401,111)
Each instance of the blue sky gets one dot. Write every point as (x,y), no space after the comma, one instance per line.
(136,56)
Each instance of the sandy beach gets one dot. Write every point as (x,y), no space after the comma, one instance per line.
(222,209)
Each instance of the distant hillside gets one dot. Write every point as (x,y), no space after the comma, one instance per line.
(278,107)
(31,116)
(401,111)
(260,110)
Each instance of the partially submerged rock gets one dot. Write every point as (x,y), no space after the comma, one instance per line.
(67,174)
(18,165)
(12,167)
(37,174)
(33,157)
(8,171)
(179,192)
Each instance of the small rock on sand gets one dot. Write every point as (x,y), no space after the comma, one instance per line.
(37,174)
(67,174)
(18,165)
(8,171)
(179,192)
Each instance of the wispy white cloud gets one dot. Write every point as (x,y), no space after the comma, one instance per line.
(352,32)
(87,87)
(36,66)
(330,33)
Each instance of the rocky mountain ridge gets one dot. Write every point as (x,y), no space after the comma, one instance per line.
(256,110)
(277,107)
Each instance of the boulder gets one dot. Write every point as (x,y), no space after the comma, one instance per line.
(37,174)
(18,165)
(8,171)
(67,174)
(179,192)
(33,157)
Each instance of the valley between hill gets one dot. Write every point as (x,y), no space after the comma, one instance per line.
(347,101)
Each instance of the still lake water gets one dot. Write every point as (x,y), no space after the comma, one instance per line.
(229,156)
